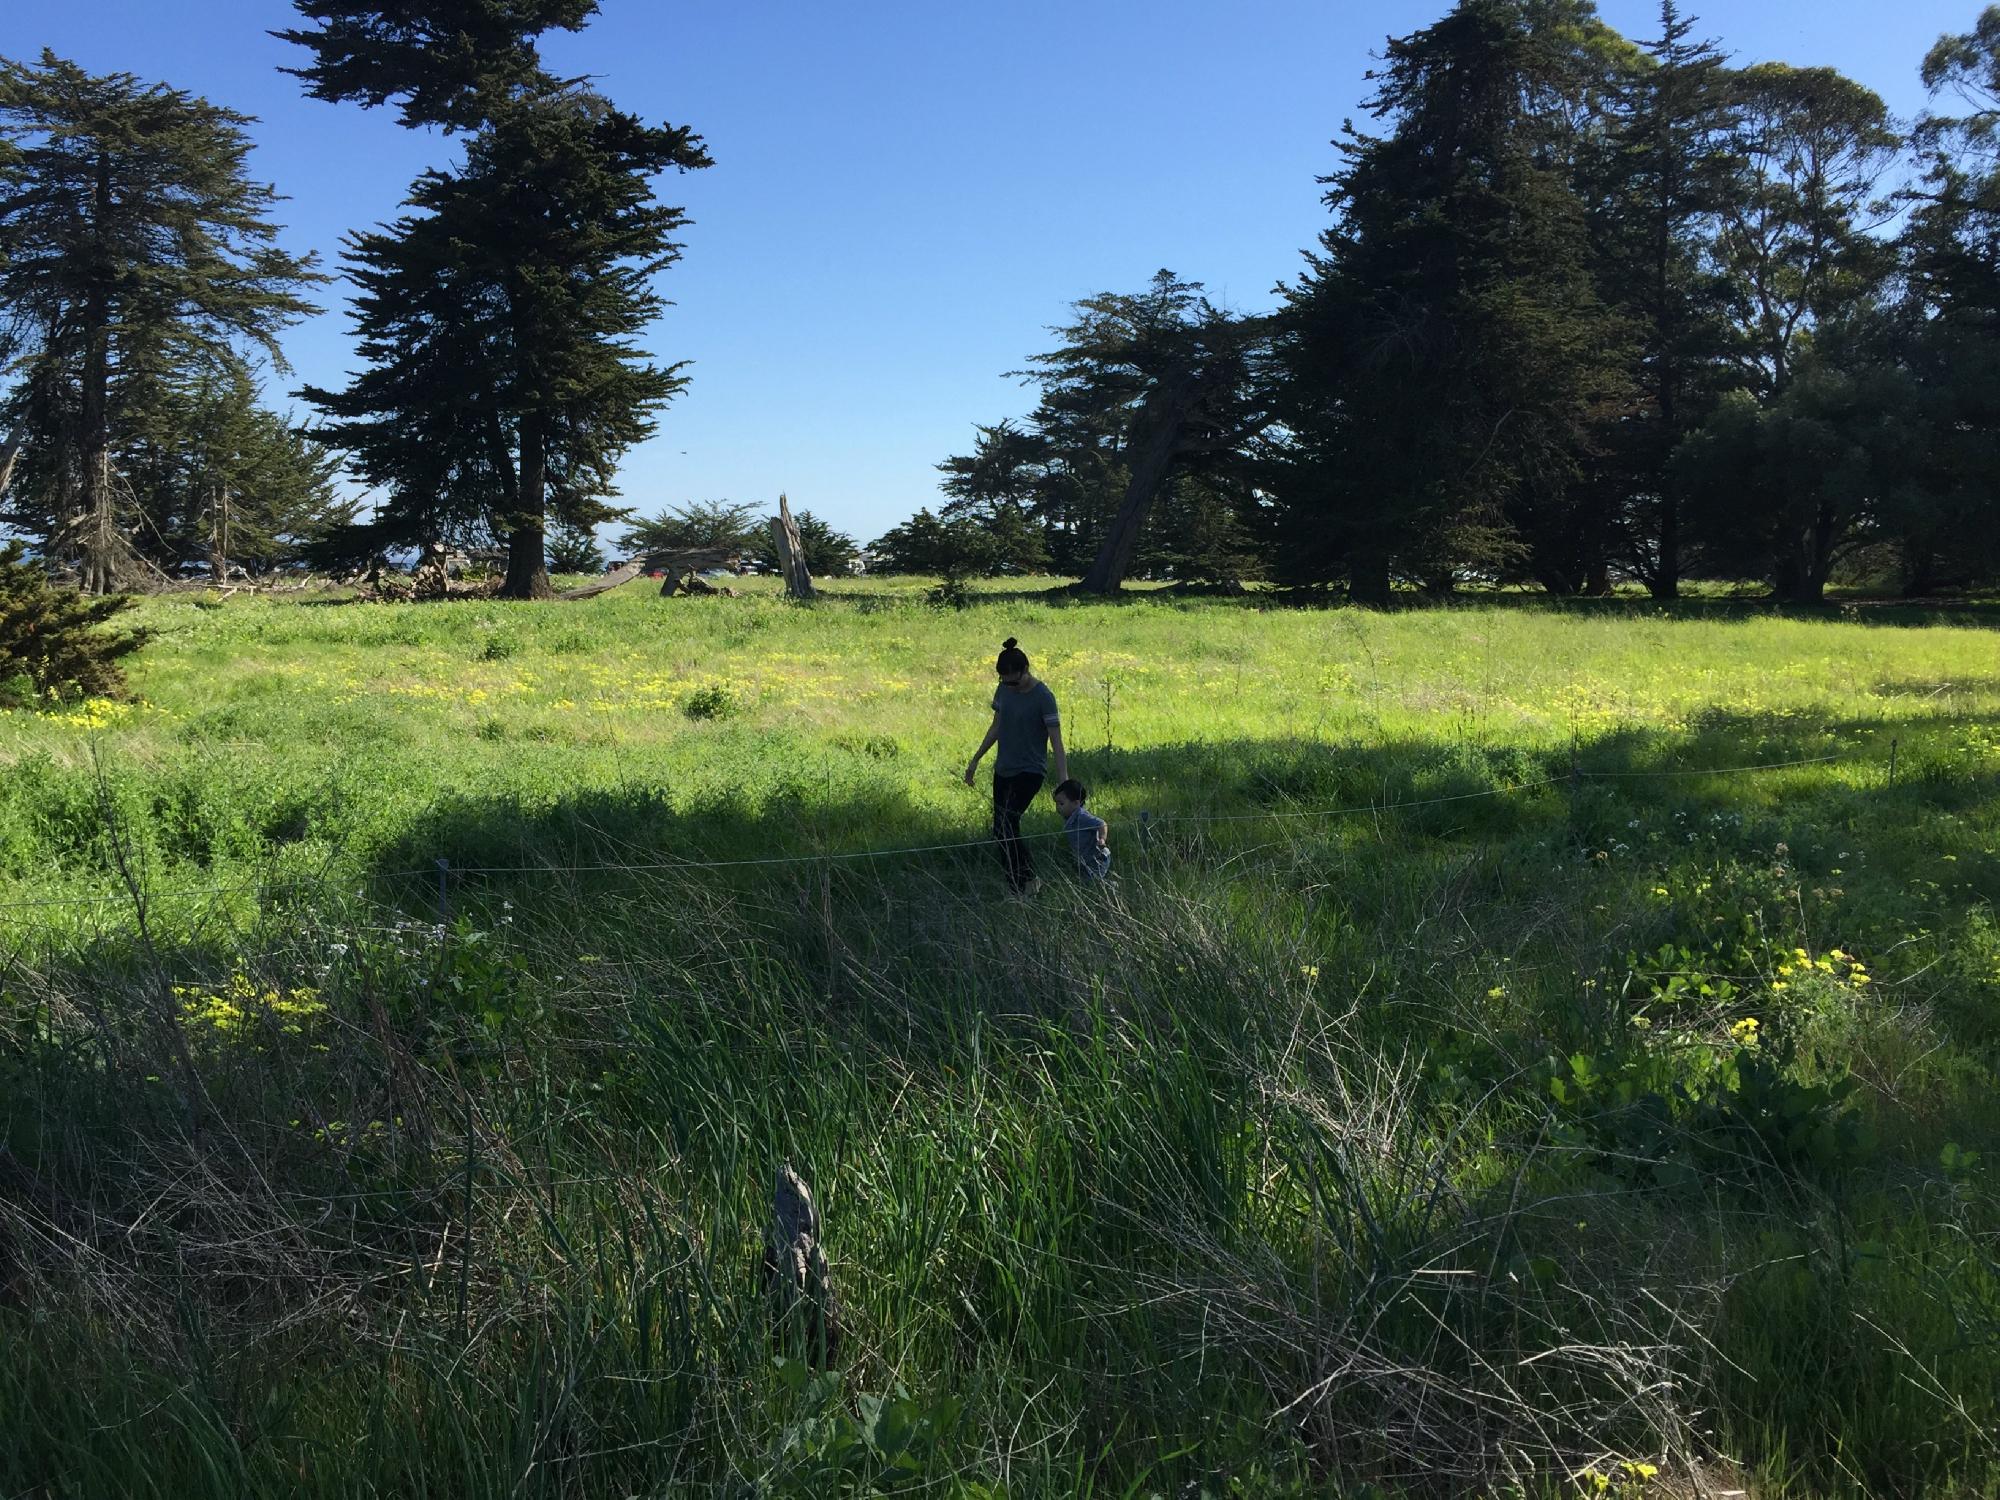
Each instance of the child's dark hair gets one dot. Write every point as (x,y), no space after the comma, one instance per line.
(1012,657)
(1073,789)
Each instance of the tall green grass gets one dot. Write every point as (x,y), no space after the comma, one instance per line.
(1392,1123)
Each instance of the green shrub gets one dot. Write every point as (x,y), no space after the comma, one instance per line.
(712,702)
(55,639)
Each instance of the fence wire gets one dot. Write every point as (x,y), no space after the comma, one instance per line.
(1150,823)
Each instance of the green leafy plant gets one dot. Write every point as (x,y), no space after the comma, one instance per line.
(879,1445)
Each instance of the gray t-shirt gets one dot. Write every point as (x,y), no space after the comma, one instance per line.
(1092,858)
(1024,729)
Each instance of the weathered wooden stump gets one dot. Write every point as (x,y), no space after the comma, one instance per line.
(791,552)
(797,1282)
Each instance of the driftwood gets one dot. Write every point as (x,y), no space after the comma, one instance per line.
(796,1279)
(791,552)
(617,578)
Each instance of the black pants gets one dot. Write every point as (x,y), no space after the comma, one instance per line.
(1012,796)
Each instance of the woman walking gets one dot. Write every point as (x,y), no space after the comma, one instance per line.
(1026,728)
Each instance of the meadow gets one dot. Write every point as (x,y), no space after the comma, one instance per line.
(1523,1050)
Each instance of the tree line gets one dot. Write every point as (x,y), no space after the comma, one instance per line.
(1587,310)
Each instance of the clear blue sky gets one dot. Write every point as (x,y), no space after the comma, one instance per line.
(905,195)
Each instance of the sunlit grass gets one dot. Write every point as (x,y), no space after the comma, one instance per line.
(1477,1075)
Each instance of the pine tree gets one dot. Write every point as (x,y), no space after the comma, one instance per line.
(1664,181)
(1950,253)
(53,642)
(220,481)
(829,552)
(132,239)
(497,323)
(1141,389)
(700,525)
(574,549)
(447,63)
(1448,358)
(498,318)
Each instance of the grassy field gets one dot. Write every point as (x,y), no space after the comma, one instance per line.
(1523,1051)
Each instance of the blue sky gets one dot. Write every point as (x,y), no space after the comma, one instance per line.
(906,195)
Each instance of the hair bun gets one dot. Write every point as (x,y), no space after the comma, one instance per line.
(1009,644)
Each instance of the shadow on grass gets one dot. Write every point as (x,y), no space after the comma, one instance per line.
(1029,1084)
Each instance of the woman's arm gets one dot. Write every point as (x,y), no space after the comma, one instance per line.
(992,738)
(1056,749)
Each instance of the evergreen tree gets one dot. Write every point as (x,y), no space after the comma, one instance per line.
(445,62)
(1786,489)
(1448,358)
(1141,390)
(574,549)
(220,481)
(1794,247)
(1665,178)
(699,524)
(497,319)
(131,241)
(1951,316)
(828,552)
(53,642)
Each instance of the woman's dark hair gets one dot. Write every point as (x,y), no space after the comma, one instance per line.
(1012,658)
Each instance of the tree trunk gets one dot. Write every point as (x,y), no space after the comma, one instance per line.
(9,452)
(218,537)
(1920,571)
(98,531)
(527,543)
(1666,580)
(1150,457)
(1368,579)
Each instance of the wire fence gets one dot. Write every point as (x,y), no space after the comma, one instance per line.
(443,871)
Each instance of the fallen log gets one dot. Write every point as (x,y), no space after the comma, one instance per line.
(618,578)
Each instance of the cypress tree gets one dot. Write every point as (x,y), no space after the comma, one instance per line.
(131,237)
(1667,176)
(1448,356)
(497,318)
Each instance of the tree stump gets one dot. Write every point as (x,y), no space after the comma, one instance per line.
(791,552)
(797,1283)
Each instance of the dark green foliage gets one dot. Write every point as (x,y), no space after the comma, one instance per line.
(498,319)
(574,549)
(1951,317)
(1658,187)
(827,551)
(444,61)
(1786,490)
(1143,390)
(54,639)
(135,253)
(497,322)
(1448,360)
(955,549)
(699,525)
(222,482)
(1793,247)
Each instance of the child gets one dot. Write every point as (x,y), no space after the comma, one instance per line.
(1087,835)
